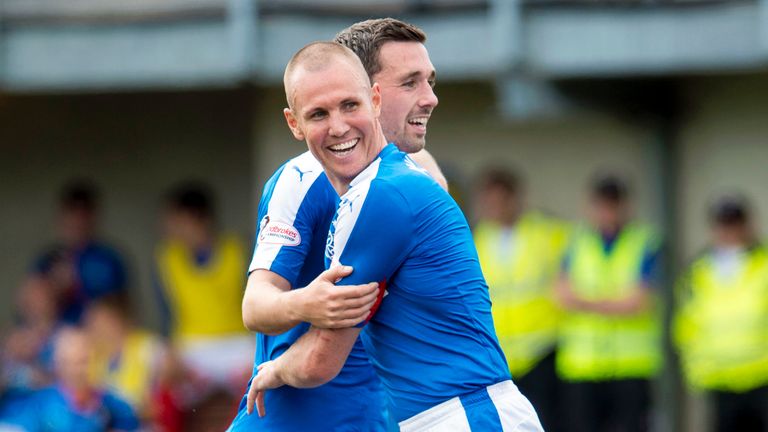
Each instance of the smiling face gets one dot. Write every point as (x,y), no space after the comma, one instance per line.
(407,78)
(336,112)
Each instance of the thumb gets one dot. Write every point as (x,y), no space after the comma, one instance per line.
(335,274)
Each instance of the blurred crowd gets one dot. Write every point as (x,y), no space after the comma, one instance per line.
(577,308)
(75,358)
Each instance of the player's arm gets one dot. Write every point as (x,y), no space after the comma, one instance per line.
(360,240)
(314,359)
(426,161)
(271,307)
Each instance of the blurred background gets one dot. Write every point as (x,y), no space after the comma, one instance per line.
(135,98)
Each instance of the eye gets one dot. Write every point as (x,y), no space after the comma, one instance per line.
(317,115)
(432,82)
(349,106)
(409,84)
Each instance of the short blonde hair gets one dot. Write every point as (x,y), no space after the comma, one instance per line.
(316,56)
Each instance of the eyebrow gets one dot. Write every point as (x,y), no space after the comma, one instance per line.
(348,100)
(416,74)
(309,112)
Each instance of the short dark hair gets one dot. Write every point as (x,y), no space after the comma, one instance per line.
(610,188)
(192,197)
(80,194)
(730,210)
(503,178)
(119,303)
(366,38)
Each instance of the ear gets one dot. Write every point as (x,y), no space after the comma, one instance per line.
(293,124)
(376,99)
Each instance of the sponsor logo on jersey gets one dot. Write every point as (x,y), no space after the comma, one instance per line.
(301,173)
(273,232)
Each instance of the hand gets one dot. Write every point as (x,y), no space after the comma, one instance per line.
(266,378)
(326,305)
(565,296)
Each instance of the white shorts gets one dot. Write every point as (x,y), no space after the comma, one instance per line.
(500,407)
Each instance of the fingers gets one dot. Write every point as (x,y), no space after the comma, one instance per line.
(251,399)
(260,404)
(335,274)
(252,392)
(370,292)
(357,295)
(352,317)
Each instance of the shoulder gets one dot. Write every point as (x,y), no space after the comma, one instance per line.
(701,259)
(378,194)
(648,234)
(299,180)
(102,251)
(299,172)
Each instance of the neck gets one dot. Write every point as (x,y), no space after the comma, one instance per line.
(341,186)
(200,240)
(510,219)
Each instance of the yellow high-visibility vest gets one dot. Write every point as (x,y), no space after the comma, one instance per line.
(133,375)
(204,300)
(595,347)
(721,326)
(521,276)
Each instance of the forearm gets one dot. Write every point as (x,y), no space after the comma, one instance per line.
(268,308)
(637,301)
(633,303)
(309,362)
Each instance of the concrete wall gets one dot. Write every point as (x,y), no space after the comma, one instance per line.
(724,147)
(134,147)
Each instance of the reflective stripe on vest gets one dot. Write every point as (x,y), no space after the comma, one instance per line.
(721,327)
(205,301)
(599,347)
(521,274)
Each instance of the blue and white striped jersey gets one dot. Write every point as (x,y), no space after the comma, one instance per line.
(295,212)
(432,337)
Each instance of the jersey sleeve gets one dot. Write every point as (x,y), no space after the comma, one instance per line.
(373,232)
(289,210)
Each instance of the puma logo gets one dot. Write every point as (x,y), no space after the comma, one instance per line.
(301,173)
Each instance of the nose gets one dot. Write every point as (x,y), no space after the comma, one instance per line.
(338,127)
(428,98)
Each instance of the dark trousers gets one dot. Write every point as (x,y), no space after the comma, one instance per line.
(743,412)
(606,406)
(540,386)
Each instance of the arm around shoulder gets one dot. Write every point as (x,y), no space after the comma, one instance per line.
(426,161)
(271,307)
